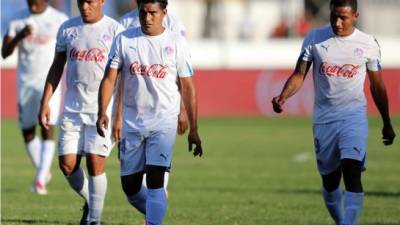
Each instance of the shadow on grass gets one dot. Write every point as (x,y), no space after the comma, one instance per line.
(388,194)
(33,221)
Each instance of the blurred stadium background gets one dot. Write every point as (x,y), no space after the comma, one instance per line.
(251,45)
(258,168)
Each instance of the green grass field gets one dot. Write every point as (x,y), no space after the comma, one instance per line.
(255,171)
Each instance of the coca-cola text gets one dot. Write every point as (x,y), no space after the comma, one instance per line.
(346,70)
(155,70)
(93,54)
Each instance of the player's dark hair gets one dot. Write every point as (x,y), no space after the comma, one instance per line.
(342,3)
(163,3)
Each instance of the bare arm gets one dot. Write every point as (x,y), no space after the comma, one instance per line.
(117,125)
(182,117)
(378,91)
(292,85)
(52,81)
(105,92)
(10,43)
(190,101)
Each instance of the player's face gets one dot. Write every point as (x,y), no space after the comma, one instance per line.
(151,16)
(36,6)
(342,20)
(91,10)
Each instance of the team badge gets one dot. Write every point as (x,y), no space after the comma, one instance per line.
(106,37)
(169,50)
(358,52)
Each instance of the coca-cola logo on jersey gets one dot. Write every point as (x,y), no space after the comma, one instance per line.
(155,70)
(346,70)
(89,55)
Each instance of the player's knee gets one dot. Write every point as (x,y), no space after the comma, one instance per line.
(155,176)
(28,134)
(131,184)
(352,175)
(47,134)
(332,181)
(95,164)
(67,168)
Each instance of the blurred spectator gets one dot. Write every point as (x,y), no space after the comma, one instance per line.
(303,24)
(211,20)
(246,26)
(281,30)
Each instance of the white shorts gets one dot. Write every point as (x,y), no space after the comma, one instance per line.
(139,149)
(346,139)
(29,105)
(80,138)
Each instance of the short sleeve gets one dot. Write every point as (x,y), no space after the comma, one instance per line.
(183,62)
(306,48)
(61,43)
(114,57)
(374,56)
(12,29)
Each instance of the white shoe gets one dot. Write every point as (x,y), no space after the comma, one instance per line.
(48,177)
(39,188)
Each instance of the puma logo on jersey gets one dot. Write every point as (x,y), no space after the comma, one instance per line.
(325,47)
(133,48)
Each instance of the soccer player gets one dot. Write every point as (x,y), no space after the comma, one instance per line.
(83,43)
(150,60)
(34,32)
(171,22)
(342,56)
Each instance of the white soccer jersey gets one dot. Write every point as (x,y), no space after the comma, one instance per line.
(171,22)
(87,47)
(150,66)
(36,52)
(339,68)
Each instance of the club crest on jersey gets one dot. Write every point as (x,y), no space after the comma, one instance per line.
(332,70)
(73,34)
(106,37)
(358,52)
(169,50)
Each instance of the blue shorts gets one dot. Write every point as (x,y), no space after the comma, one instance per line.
(139,149)
(345,139)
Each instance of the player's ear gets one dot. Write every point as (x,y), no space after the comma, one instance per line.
(102,2)
(165,11)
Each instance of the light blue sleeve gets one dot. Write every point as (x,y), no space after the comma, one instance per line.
(183,61)
(306,53)
(374,56)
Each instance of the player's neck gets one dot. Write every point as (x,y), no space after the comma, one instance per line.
(155,32)
(39,10)
(95,20)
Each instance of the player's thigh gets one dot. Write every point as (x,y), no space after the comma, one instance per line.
(132,153)
(96,144)
(55,106)
(159,147)
(326,147)
(353,139)
(28,106)
(71,136)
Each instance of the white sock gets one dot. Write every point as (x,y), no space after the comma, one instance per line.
(333,202)
(48,148)
(79,183)
(33,147)
(166,180)
(353,203)
(97,193)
